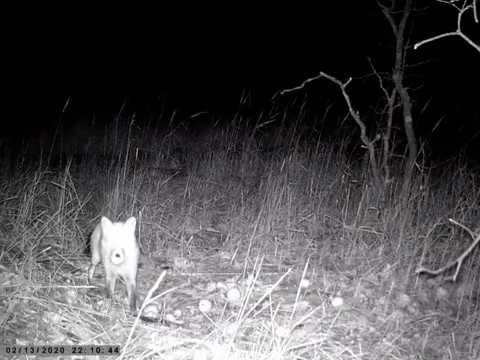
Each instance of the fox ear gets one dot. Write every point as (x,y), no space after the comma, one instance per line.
(105,223)
(131,223)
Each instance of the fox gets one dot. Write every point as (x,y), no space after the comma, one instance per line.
(114,244)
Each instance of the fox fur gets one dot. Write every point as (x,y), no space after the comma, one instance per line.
(114,244)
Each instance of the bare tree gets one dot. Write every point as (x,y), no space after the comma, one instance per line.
(399,26)
(397,96)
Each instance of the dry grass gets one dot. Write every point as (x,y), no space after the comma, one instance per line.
(277,245)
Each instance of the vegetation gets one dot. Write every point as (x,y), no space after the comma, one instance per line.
(276,244)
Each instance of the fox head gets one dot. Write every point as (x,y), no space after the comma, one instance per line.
(118,237)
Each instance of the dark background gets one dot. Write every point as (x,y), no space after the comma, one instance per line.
(202,59)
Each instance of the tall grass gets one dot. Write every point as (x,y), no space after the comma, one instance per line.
(270,186)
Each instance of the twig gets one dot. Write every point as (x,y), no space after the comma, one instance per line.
(459,260)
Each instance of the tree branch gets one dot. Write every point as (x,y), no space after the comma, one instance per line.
(353,113)
(458,31)
(459,260)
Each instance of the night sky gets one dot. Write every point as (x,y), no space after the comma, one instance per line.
(203,61)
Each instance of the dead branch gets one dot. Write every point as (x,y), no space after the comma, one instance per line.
(368,143)
(459,260)
(458,31)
